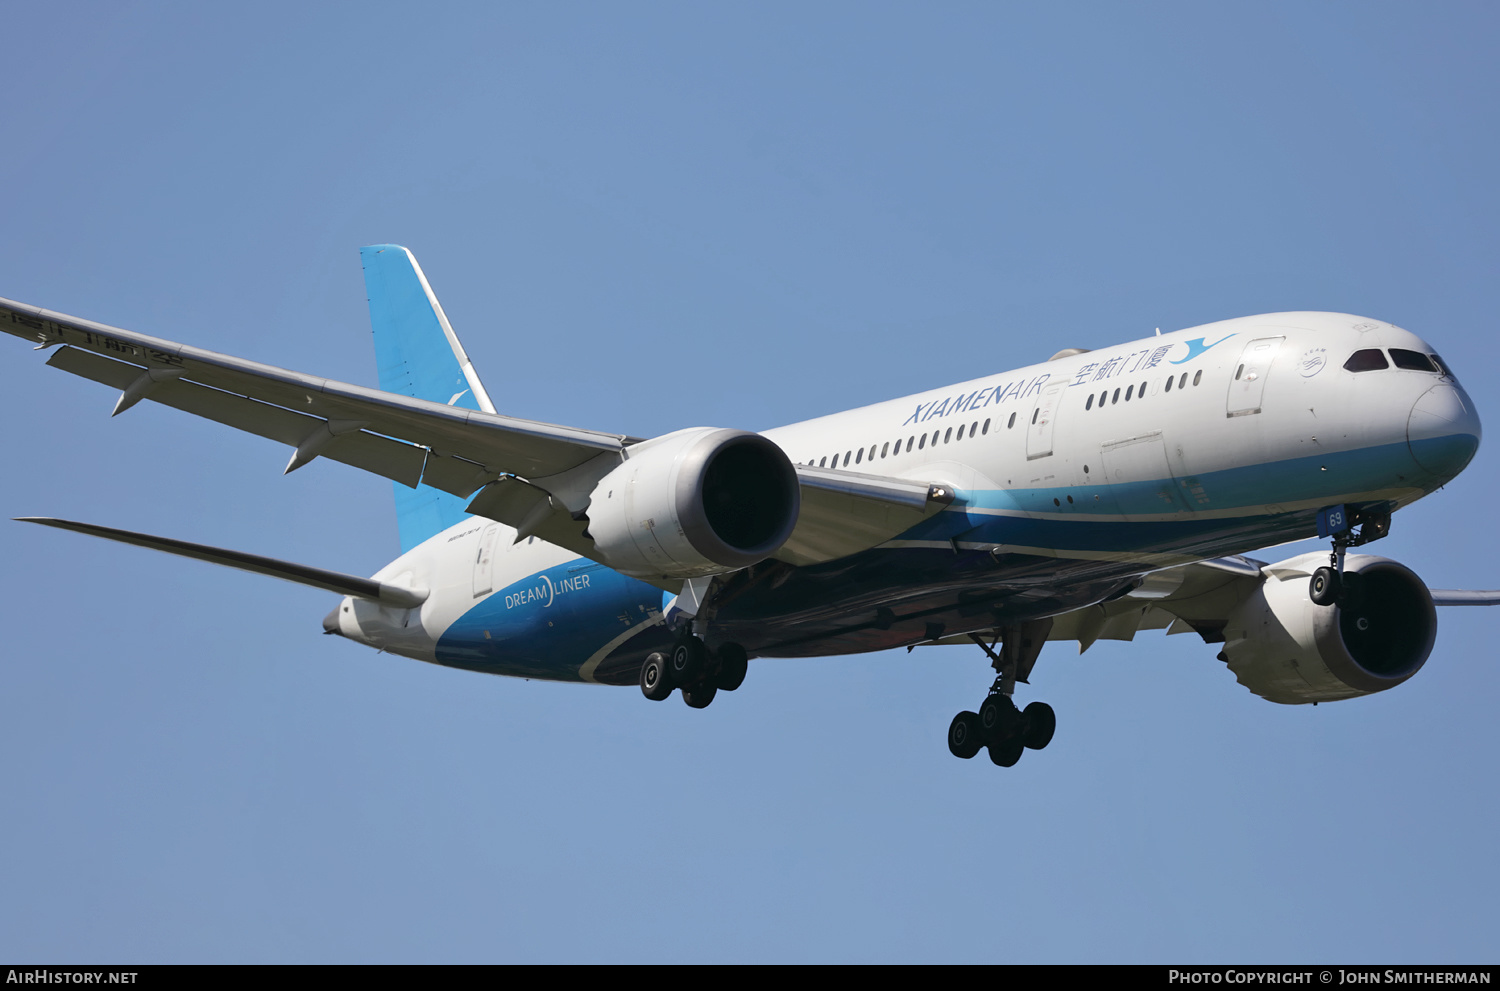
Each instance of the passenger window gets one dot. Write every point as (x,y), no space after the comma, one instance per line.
(935,435)
(1103,396)
(1035,413)
(1241,370)
(1012,422)
(1090,403)
(1128,390)
(922,443)
(973,428)
(1182,384)
(987,422)
(960,432)
(909,442)
(1168,387)
(847,456)
(822,462)
(948,436)
(1117,396)
(1367,360)
(1414,360)
(1141,391)
(1198,376)
(859,455)
(885,447)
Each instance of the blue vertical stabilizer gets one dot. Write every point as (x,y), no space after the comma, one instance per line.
(418,355)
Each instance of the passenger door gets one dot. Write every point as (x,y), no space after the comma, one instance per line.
(1043,420)
(1249,381)
(484,561)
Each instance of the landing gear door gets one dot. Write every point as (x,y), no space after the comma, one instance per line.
(1249,382)
(1043,419)
(484,562)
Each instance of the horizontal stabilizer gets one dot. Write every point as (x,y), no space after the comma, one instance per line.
(330,581)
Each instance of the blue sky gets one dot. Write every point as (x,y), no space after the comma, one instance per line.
(644,217)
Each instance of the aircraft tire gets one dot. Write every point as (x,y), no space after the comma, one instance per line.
(964,737)
(1325,587)
(699,696)
(998,719)
(1040,723)
(688,661)
(733,666)
(1008,753)
(656,681)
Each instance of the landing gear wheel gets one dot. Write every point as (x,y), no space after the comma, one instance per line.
(656,683)
(1325,587)
(998,719)
(1006,754)
(1039,722)
(964,737)
(688,662)
(699,695)
(733,664)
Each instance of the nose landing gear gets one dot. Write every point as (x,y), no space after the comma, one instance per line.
(1005,731)
(1332,585)
(701,673)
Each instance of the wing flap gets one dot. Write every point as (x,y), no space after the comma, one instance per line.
(455,475)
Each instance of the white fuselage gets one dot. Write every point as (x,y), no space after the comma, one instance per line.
(1202,442)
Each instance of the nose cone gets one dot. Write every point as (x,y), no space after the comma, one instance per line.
(1443,430)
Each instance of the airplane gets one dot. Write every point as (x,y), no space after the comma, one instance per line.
(1090,496)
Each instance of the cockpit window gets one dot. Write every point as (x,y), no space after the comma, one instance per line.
(1414,360)
(1368,360)
(1442,367)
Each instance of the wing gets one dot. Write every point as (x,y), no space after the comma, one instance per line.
(1464,597)
(844,512)
(330,581)
(533,476)
(1195,598)
(409,440)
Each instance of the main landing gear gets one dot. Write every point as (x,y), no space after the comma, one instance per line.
(701,673)
(999,726)
(1333,585)
(1002,728)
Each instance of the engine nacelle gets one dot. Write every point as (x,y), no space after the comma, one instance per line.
(1283,647)
(695,502)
